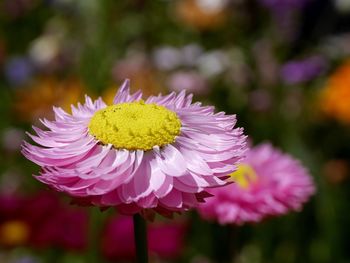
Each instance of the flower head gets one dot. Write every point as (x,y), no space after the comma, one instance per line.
(267,183)
(161,153)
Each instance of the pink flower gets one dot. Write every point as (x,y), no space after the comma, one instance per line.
(118,239)
(165,240)
(55,224)
(267,183)
(66,228)
(161,154)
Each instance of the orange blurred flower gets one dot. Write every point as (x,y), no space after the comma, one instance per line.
(202,14)
(14,233)
(336,171)
(36,101)
(335,97)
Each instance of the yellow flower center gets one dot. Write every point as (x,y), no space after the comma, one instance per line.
(14,233)
(244,176)
(135,126)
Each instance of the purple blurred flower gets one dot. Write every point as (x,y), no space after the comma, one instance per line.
(18,70)
(300,71)
(188,80)
(283,13)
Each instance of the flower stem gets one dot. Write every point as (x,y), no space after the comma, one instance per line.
(140,234)
(94,236)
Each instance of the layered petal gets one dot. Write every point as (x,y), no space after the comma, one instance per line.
(170,178)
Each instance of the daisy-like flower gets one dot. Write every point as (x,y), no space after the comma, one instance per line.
(267,183)
(161,153)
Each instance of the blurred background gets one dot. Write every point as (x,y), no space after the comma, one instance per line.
(283,66)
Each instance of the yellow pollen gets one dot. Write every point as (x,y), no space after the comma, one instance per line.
(135,126)
(244,176)
(14,233)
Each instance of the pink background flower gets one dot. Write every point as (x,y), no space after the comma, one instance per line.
(46,221)
(271,184)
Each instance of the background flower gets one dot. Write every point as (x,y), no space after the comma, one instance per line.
(301,71)
(48,91)
(190,81)
(267,183)
(42,221)
(202,14)
(334,98)
(19,71)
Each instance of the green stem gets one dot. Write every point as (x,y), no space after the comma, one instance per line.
(94,236)
(140,234)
